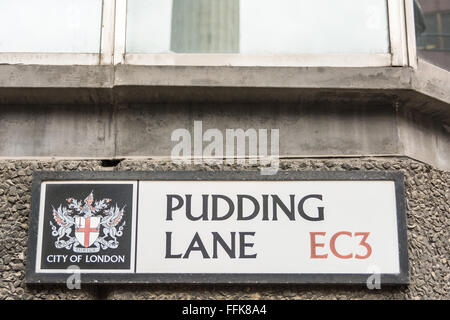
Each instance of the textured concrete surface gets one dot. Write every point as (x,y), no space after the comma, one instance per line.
(15,198)
(428,222)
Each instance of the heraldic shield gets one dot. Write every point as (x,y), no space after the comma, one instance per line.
(87,230)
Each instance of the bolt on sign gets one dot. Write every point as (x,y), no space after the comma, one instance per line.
(218,227)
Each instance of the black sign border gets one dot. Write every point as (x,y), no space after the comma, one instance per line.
(32,277)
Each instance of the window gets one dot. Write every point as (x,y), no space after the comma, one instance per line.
(257,26)
(205,32)
(436,36)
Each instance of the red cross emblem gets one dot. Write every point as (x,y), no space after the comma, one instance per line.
(87,230)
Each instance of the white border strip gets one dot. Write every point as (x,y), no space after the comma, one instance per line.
(411,33)
(397,32)
(49,58)
(107,36)
(120,31)
(254,60)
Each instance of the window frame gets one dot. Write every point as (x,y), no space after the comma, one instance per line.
(112,49)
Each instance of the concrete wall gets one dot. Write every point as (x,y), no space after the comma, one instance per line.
(428,221)
(329,119)
(127,131)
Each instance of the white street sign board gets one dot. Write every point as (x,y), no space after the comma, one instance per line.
(219,227)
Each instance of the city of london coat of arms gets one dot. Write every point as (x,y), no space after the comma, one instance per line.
(88,226)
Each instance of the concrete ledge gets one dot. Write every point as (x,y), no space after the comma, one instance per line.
(56,76)
(264,77)
(426,89)
(432,81)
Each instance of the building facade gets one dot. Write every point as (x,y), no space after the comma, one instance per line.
(102,86)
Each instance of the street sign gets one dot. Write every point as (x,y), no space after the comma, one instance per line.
(218,227)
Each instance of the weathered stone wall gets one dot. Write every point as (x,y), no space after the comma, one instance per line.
(428,222)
